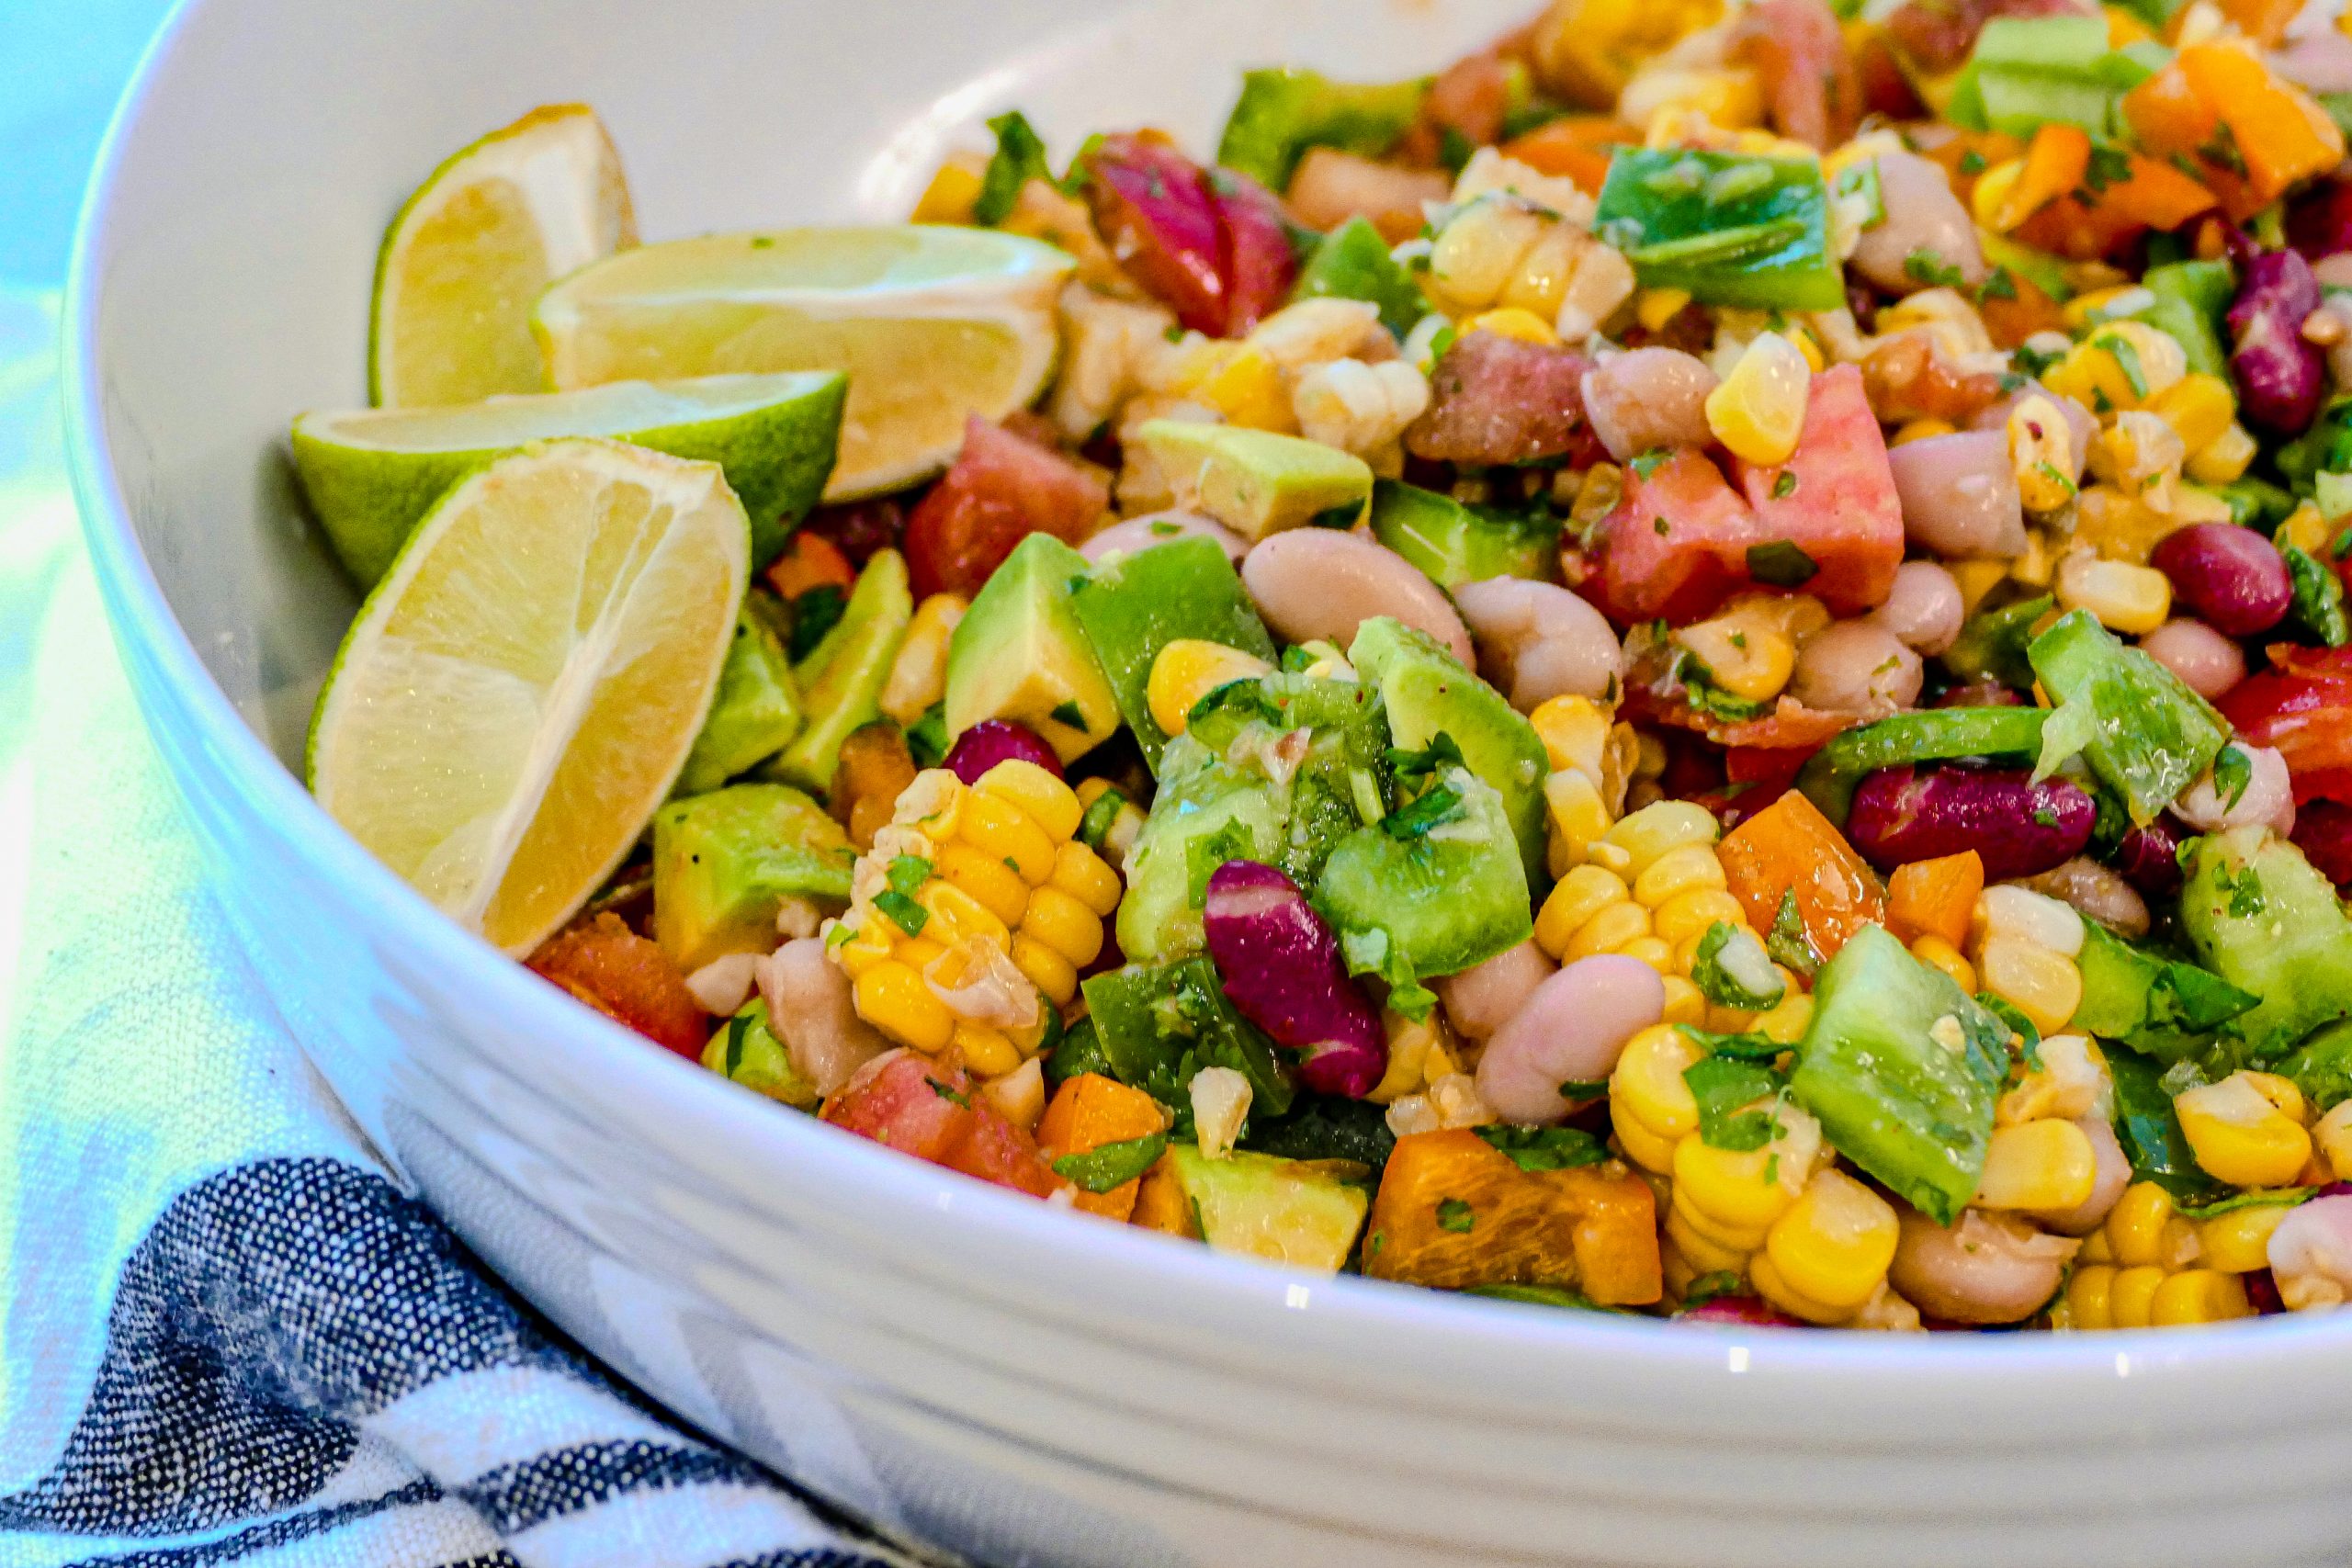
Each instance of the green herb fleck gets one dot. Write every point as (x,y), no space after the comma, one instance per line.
(2108,166)
(1020,158)
(1780,563)
(1454,1215)
(1546,1148)
(1647,463)
(1785,486)
(1789,943)
(1659,524)
(1095,825)
(1925,266)
(1070,714)
(814,614)
(905,913)
(1727,1090)
(2232,772)
(1732,969)
(2127,358)
(1439,804)
(1972,161)
(953,1097)
(907,873)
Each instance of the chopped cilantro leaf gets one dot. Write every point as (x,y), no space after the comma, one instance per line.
(905,913)
(1454,1215)
(1781,562)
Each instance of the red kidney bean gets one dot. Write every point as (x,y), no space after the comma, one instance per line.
(860,527)
(2319,221)
(2279,376)
(2231,578)
(2262,1293)
(2021,829)
(1980,694)
(2149,858)
(1282,968)
(1740,1311)
(994,740)
(2323,832)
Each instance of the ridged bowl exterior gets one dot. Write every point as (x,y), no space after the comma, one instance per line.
(962,1366)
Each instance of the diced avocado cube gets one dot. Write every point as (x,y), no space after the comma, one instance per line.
(2160,1005)
(1427,691)
(2143,732)
(1254,481)
(841,680)
(1205,812)
(1353,263)
(1902,1068)
(1283,1211)
(747,1051)
(724,862)
(1427,891)
(1457,544)
(1131,606)
(1282,112)
(1337,786)
(2322,1067)
(2263,918)
(1156,1026)
(1019,654)
(756,711)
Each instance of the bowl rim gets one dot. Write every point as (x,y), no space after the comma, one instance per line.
(1186,1277)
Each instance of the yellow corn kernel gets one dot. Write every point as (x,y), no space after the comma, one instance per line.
(1574,732)
(2132,600)
(870,945)
(2086,1296)
(2200,408)
(1748,659)
(1052,804)
(1687,868)
(1758,409)
(919,674)
(1976,579)
(994,885)
(2041,451)
(1475,254)
(2134,1231)
(995,826)
(1578,818)
(950,196)
(1611,931)
(2120,365)
(1786,1022)
(1646,1087)
(2021,914)
(1085,877)
(1047,970)
(2224,459)
(2047,1167)
(1513,322)
(1655,307)
(1937,954)
(1684,1002)
(2240,1135)
(1665,99)
(1991,195)
(2282,1092)
(1189,669)
(1664,825)
(957,917)
(1643,1147)
(1727,1187)
(2198,1295)
(1064,924)
(2306,529)
(988,1053)
(1574,900)
(892,997)
(2239,1241)
(1704,1255)
(1920,430)
(2044,986)
(1684,1204)
(2035,567)
(1248,389)
(2132,1295)
(1651,950)
(1686,917)
(1834,1245)
(2331,1135)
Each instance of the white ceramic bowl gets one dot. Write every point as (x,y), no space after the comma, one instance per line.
(964,1367)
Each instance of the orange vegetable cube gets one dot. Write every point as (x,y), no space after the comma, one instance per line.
(1791,847)
(1935,898)
(1453,1211)
(1576,145)
(1160,1204)
(1090,1111)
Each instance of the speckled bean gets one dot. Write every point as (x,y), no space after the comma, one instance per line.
(1538,640)
(1856,667)
(1648,397)
(1924,609)
(2095,890)
(1319,583)
(1481,999)
(2209,663)
(1158,528)
(1922,214)
(1986,1268)
(1571,1029)
(1960,494)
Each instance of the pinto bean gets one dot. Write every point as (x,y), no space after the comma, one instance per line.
(1571,1029)
(2096,891)
(1158,528)
(1922,215)
(1317,582)
(2310,1253)
(1960,494)
(1482,998)
(1924,609)
(2268,797)
(2209,663)
(1986,1268)
(810,1005)
(1647,398)
(1538,640)
(1856,667)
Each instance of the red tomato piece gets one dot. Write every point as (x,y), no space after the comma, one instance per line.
(1841,509)
(627,979)
(1677,544)
(1498,399)
(1810,84)
(2323,832)
(1156,214)
(1001,490)
(2302,706)
(935,1112)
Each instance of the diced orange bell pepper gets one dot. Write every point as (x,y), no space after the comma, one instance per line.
(1161,1203)
(1088,1111)
(1453,1211)
(1935,898)
(2249,133)
(2027,311)
(2054,164)
(1791,847)
(1577,146)
(2264,21)
(2101,216)
(810,561)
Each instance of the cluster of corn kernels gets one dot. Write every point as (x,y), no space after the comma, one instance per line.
(1004,906)
(1592,759)
(2022,948)
(1650,887)
(2040,1162)
(1430,1085)
(1516,257)
(2151,1266)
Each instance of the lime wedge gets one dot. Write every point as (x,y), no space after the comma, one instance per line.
(372,473)
(932,324)
(519,693)
(476,245)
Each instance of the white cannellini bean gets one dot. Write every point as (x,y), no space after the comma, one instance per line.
(1571,1029)
(1924,609)
(2006,909)
(1922,215)
(1538,640)
(1986,1268)
(724,985)
(1312,583)
(2208,663)
(1648,397)
(1960,494)
(1856,667)
(1158,528)
(2310,1254)
(2268,799)
(1480,1000)
(810,1010)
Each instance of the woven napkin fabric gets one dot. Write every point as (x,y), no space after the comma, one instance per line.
(225,1338)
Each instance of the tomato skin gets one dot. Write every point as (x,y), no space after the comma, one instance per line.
(1810,79)
(934,1112)
(627,979)
(2302,706)
(1677,572)
(1001,490)
(1156,213)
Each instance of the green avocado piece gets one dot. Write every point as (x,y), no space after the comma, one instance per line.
(2157,1005)
(723,863)
(747,1051)
(1284,1211)
(1454,544)
(1428,692)
(1131,606)
(1902,1068)
(1205,812)
(2322,1067)
(1353,263)
(1342,781)
(1020,654)
(1428,891)
(1254,481)
(840,680)
(2263,919)
(756,712)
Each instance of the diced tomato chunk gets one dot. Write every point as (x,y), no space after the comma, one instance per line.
(1677,544)
(627,979)
(2302,706)
(935,1112)
(1001,490)
(1835,498)
(1498,399)
(1810,80)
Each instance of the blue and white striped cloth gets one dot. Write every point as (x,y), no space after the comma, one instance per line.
(225,1338)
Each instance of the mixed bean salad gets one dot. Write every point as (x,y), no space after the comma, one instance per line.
(1698,667)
